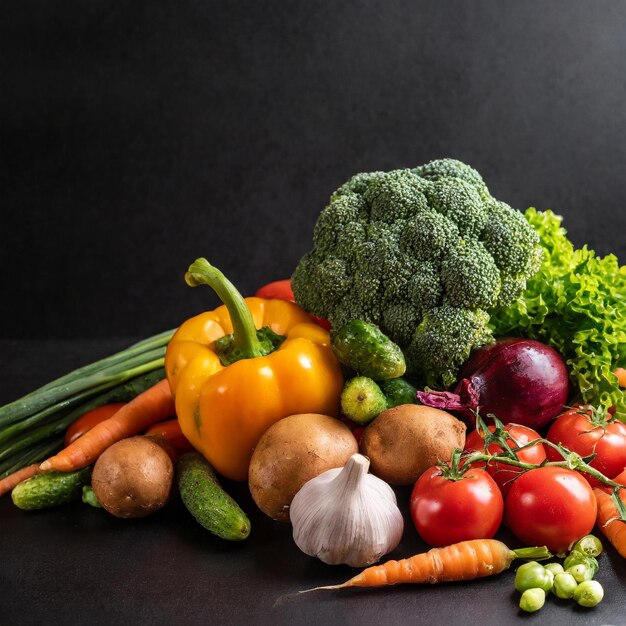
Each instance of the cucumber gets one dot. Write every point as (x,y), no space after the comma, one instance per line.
(363,347)
(362,400)
(89,497)
(50,489)
(398,391)
(204,498)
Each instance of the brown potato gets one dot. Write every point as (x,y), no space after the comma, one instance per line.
(133,477)
(290,453)
(403,442)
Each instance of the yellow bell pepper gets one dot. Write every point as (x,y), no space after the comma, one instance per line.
(238,369)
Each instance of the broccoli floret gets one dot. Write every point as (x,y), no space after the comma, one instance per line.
(443,341)
(424,254)
(451,168)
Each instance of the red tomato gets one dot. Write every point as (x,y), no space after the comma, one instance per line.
(504,475)
(281,290)
(171,432)
(446,511)
(581,432)
(89,420)
(550,506)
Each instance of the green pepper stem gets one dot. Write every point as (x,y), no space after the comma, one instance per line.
(201,272)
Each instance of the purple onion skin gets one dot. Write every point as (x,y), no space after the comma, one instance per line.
(519,380)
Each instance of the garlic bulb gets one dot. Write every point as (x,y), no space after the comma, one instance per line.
(346,515)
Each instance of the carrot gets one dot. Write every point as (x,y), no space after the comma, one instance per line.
(149,407)
(460,561)
(8,482)
(620,372)
(607,521)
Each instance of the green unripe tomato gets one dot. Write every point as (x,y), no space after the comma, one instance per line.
(532,575)
(532,600)
(589,593)
(555,568)
(564,585)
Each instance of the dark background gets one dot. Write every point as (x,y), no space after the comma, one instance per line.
(137,136)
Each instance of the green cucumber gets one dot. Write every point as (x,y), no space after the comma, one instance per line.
(362,400)
(205,499)
(363,347)
(89,497)
(398,391)
(50,489)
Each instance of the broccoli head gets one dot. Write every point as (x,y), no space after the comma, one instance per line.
(424,253)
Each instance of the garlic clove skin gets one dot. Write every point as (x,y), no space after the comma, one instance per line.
(346,515)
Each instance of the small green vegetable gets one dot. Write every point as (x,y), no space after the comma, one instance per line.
(533,575)
(398,391)
(555,568)
(564,585)
(50,489)
(364,348)
(362,400)
(589,593)
(580,572)
(204,498)
(532,600)
(589,545)
(581,567)
(89,497)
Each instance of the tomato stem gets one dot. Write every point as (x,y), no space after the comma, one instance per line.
(571,461)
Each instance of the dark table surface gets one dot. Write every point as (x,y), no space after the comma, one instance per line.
(77,565)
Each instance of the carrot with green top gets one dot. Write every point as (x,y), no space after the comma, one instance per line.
(465,560)
(152,406)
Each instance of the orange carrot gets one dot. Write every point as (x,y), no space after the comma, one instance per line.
(460,561)
(149,407)
(8,482)
(612,528)
(620,372)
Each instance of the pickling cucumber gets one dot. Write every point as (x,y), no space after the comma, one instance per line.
(368,351)
(205,499)
(398,391)
(50,489)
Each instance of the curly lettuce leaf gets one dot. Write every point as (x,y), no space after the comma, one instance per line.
(577,304)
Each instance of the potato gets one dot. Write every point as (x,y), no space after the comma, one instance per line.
(403,442)
(133,477)
(290,453)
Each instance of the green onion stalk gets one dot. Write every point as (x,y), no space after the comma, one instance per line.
(32,427)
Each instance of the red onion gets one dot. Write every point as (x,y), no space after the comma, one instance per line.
(518,380)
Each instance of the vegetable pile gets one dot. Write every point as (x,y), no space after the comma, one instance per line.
(575,303)
(441,341)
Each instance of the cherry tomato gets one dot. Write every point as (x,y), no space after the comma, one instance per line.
(281,290)
(504,475)
(583,432)
(171,432)
(89,420)
(446,511)
(550,506)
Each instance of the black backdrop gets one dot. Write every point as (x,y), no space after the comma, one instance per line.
(137,136)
